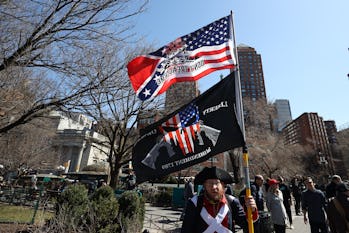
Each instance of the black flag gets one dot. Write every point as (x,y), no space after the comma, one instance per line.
(192,134)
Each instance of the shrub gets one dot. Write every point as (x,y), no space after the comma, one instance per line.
(148,193)
(102,213)
(171,180)
(75,198)
(72,206)
(131,211)
(103,210)
(164,198)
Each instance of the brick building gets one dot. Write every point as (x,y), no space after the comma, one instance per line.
(309,129)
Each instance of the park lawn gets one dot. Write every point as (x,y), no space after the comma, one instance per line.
(22,214)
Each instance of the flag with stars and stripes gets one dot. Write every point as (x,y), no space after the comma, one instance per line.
(192,134)
(188,58)
(186,125)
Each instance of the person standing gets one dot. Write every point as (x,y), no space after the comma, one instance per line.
(256,192)
(286,193)
(275,204)
(331,187)
(213,210)
(314,204)
(131,180)
(258,195)
(338,210)
(189,189)
(188,193)
(34,180)
(297,187)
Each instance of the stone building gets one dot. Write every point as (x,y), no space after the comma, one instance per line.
(77,144)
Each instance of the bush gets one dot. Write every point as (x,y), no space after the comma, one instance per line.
(171,180)
(131,211)
(72,206)
(102,213)
(164,198)
(104,210)
(74,200)
(148,193)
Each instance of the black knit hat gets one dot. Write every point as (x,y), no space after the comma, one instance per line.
(213,173)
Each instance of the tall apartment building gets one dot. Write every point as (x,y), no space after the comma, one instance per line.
(253,89)
(331,130)
(180,94)
(283,114)
(339,160)
(309,129)
(148,117)
(251,73)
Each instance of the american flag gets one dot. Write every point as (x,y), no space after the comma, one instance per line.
(186,124)
(188,58)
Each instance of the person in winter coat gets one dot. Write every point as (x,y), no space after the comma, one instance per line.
(275,204)
(338,210)
(213,210)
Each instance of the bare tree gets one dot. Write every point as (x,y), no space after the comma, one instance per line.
(29,146)
(341,152)
(114,107)
(50,39)
(269,155)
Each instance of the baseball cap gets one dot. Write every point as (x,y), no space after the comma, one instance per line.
(273,181)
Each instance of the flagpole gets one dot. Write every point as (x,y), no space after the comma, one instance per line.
(240,117)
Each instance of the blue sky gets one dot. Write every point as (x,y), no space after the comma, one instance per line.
(303,44)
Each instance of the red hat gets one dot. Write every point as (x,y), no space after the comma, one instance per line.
(273,181)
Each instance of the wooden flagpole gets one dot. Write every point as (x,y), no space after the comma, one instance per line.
(240,117)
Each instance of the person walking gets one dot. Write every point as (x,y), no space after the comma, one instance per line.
(331,187)
(338,210)
(314,204)
(275,204)
(286,193)
(213,210)
(297,187)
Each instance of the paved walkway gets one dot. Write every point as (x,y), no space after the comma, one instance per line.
(166,220)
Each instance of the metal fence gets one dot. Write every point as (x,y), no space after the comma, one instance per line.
(26,197)
(160,223)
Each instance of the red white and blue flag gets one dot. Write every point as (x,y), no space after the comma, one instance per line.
(188,58)
(190,135)
(186,125)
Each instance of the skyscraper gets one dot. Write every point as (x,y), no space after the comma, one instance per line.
(283,112)
(251,73)
(256,111)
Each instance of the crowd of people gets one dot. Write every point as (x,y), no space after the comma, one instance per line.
(325,208)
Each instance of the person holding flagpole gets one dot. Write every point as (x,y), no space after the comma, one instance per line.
(213,210)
